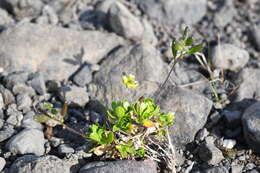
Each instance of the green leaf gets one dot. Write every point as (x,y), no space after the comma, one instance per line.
(166,119)
(179,46)
(189,41)
(140,152)
(120,111)
(108,139)
(48,106)
(42,118)
(195,49)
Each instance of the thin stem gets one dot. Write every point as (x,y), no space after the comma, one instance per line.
(169,74)
(74,131)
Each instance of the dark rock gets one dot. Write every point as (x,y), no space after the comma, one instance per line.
(83,76)
(28,141)
(233,118)
(126,166)
(54,59)
(35,164)
(36,81)
(251,126)
(175,11)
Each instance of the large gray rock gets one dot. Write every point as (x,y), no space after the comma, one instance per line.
(225,15)
(35,164)
(51,49)
(174,11)
(249,84)
(28,141)
(141,60)
(228,56)
(191,112)
(124,23)
(251,126)
(122,166)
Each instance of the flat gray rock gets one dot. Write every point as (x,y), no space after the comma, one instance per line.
(122,166)
(52,50)
(174,11)
(251,126)
(35,164)
(191,112)
(228,56)
(28,141)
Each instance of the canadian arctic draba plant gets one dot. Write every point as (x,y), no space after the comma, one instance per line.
(130,126)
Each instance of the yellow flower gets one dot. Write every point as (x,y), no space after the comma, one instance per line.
(129,80)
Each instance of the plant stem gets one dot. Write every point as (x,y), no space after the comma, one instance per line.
(74,131)
(169,74)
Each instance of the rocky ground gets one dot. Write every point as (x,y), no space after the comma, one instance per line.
(76,51)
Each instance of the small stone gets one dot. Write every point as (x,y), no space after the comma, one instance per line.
(74,95)
(23,102)
(23,89)
(83,76)
(15,78)
(95,67)
(65,149)
(48,16)
(218,169)
(229,143)
(7,95)
(28,122)
(6,132)
(250,166)
(96,118)
(209,153)
(28,141)
(36,81)
(236,169)
(229,57)
(202,134)
(5,19)
(35,164)
(256,35)
(55,142)
(148,34)
(124,23)
(121,166)
(14,116)
(2,163)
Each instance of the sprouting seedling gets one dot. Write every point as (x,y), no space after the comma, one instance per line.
(129,80)
(180,48)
